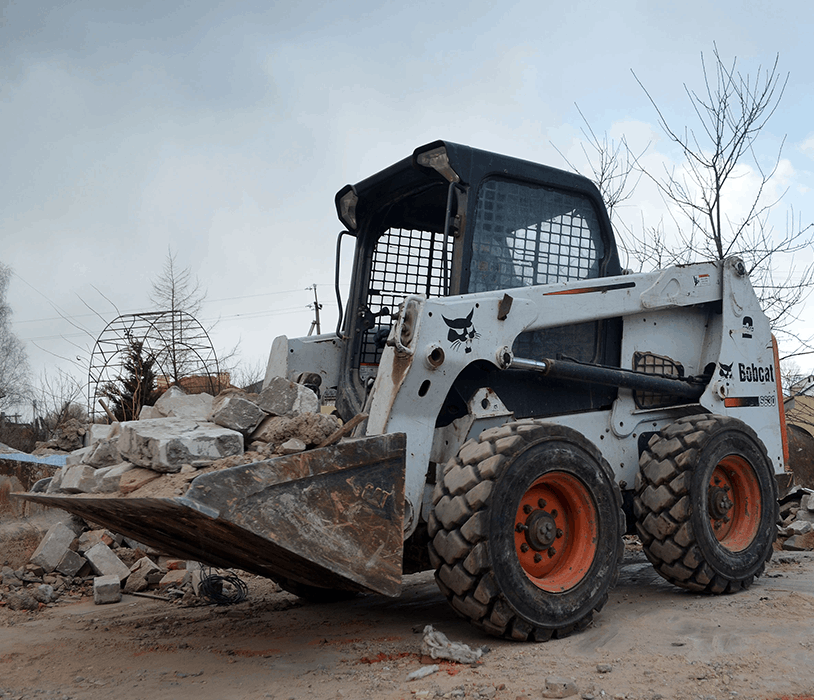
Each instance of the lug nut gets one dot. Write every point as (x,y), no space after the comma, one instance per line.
(541,502)
(527,509)
(551,552)
(520,527)
(559,533)
(554,513)
(524,547)
(537,558)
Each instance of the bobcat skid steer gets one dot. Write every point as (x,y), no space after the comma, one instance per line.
(520,403)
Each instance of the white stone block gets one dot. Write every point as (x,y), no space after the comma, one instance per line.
(105,562)
(107,589)
(53,547)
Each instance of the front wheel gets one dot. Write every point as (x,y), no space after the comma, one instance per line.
(706,504)
(526,529)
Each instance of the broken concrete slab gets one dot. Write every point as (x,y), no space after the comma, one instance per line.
(79,479)
(105,454)
(91,538)
(236,412)
(106,589)
(105,562)
(149,412)
(108,478)
(282,397)
(135,478)
(139,573)
(176,577)
(799,527)
(52,547)
(176,403)
(163,445)
(311,428)
(70,563)
(97,432)
(79,456)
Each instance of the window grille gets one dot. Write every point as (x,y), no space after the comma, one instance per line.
(405,261)
(527,235)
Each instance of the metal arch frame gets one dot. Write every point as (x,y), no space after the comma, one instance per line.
(107,356)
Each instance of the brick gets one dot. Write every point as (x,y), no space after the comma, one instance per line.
(106,589)
(53,547)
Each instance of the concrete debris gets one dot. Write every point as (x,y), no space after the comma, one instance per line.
(423,672)
(96,432)
(105,562)
(231,410)
(139,573)
(437,646)
(78,456)
(79,479)
(559,687)
(282,397)
(106,589)
(108,478)
(52,547)
(176,403)
(71,563)
(311,428)
(105,454)
(292,446)
(134,479)
(163,445)
(796,528)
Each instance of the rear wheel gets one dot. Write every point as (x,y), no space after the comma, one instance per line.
(526,530)
(706,504)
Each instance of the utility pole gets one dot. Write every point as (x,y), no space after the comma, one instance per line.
(316,306)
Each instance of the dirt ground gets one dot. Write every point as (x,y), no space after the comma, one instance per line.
(651,641)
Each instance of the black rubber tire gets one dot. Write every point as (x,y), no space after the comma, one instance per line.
(472,526)
(671,504)
(314,594)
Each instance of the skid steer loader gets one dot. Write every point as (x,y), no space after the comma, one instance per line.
(522,402)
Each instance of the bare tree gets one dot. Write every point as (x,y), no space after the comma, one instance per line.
(57,398)
(177,291)
(14,378)
(731,113)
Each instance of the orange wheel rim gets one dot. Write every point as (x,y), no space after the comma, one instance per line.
(556,532)
(734,503)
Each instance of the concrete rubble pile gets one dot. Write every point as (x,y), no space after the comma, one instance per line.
(184,435)
(74,561)
(795,532)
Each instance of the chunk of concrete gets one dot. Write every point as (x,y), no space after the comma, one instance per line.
(236,412)
(311,428)
(70,563)
(135,478)
(176,403)
(139,572)
(799,527)
(149,412)
(55,485)
(105,454)
(107,589)
(79,479)
(53,547)
(559,687)
(292,446)
(97,432)
(164,445)
(282,397)
(176,577)
(108,478)
(105,562)
(79,456)
(91,538)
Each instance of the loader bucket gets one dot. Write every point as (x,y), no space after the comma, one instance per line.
(329,517)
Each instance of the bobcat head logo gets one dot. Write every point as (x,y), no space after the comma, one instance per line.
(461,331)
(725,370)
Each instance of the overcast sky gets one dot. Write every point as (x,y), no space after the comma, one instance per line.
(221,131)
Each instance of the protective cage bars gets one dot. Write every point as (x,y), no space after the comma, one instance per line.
(404,262)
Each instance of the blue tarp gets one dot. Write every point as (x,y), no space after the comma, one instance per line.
(52,460)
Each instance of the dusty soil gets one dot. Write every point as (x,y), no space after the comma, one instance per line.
(651,641)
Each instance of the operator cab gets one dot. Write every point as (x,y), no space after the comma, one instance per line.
(456,220)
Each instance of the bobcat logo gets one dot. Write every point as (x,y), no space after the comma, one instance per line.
(725,370)
(461,330)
